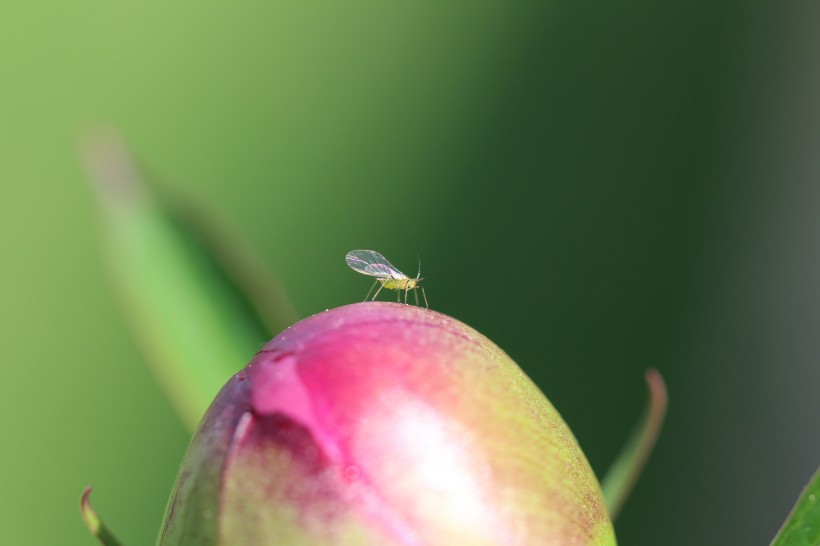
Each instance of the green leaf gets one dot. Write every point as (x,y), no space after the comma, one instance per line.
(93,522)
(802,527)
(625,471)
(198,301)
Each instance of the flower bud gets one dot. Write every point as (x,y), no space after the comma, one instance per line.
(384,424)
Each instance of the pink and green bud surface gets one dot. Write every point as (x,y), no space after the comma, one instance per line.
(384,424)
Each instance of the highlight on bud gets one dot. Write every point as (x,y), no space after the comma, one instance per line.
(380,423)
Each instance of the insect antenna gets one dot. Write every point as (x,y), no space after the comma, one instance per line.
(434,272)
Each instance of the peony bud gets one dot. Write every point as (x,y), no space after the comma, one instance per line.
(384,424)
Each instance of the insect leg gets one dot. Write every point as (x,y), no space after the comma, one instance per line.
(423,293)
(398,296)
(372,286)
(416,294)
(377,291)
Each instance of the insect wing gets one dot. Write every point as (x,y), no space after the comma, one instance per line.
(370,262)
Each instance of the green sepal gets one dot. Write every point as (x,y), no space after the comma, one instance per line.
(625,471)
(199,302)
(93,521)
(802,527)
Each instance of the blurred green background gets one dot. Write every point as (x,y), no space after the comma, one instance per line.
(598,187)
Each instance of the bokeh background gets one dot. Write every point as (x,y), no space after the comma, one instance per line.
(599,187)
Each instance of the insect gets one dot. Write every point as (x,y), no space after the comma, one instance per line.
(373,264)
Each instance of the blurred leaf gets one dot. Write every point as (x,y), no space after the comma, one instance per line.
(627,468)
(199,302)
(802,527)
(93,522)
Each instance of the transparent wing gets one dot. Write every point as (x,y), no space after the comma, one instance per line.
(370,262)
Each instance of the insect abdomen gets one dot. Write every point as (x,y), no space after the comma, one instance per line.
(399,284)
